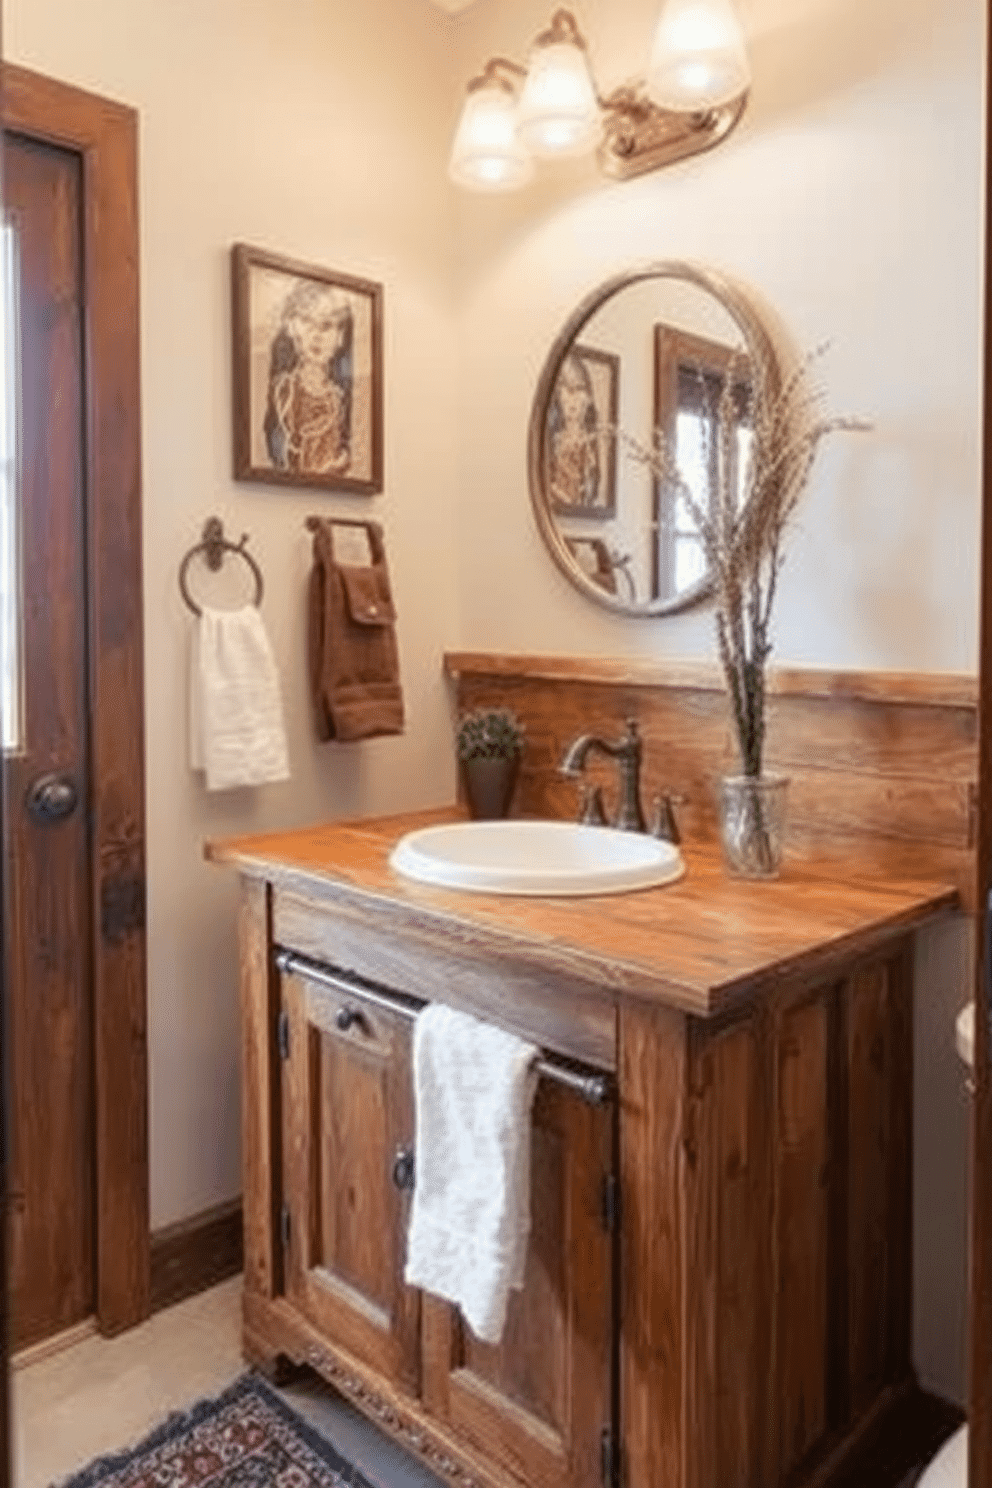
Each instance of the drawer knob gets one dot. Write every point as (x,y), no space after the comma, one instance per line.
(346,1017)
(403,1168)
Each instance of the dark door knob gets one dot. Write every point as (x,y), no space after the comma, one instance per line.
(52,797)
(403,1169)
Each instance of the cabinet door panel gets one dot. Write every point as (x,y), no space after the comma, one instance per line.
(529,1366)
(347,1110)
(539,1401)
(880,1114)
(802,1230)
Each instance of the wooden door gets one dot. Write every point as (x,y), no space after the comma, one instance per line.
(5,1463)
(51,1177)
(347,1116)
(540,1402)
(103,135)
(980,1389)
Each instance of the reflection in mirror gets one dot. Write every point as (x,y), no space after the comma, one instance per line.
(699,384)
(580,445)
(608,570)
(663,358)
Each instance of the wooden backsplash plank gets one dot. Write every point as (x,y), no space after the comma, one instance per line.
(882,764)
(929,689)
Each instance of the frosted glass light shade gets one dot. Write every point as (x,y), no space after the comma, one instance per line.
(699,59)
(487,155)
(557,113)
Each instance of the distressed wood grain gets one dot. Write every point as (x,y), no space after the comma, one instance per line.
(883,766)
(706,944)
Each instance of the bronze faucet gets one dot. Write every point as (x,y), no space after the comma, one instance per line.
(627,753)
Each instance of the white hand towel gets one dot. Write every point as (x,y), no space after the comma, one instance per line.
(237,733)
(470,1219)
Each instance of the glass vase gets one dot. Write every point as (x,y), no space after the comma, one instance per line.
(752,823)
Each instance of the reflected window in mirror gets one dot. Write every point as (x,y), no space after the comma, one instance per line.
(691,396)
(11,650)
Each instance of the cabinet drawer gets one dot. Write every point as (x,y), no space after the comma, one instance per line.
(351,1020)
(562,1015)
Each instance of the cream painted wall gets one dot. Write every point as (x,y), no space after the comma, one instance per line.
(306,129)
(849,199)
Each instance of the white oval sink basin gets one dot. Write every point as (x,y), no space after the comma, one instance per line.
(536,857)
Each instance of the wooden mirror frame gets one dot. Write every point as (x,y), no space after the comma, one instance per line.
(735,300)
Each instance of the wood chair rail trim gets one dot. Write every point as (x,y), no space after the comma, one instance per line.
(921,689)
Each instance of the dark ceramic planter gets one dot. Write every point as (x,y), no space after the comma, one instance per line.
(489,786)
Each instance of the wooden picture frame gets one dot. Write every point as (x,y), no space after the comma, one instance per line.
(580,443)
(307,374)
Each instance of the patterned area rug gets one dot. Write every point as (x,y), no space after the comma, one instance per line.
(246,1438)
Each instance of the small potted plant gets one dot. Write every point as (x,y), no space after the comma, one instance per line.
(490,743)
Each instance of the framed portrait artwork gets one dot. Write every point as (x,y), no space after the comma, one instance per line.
(307,346)
(580,445)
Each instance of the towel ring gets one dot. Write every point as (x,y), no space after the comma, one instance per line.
(214,545)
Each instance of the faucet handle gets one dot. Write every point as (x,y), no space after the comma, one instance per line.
(592,812)
(663,824)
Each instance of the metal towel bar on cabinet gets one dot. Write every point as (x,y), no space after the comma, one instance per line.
(595,1088)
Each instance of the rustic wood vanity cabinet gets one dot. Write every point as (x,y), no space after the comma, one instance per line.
(719,1276)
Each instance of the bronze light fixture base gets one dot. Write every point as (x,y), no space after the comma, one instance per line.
(639,137)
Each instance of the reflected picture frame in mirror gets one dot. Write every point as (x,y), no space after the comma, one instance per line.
(638,577)
(580,445)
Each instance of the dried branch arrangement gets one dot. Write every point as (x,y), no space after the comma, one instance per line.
(742,527)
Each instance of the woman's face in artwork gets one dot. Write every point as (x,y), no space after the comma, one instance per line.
(573,394)
(318,329)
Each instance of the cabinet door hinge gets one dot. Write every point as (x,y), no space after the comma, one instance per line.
(609,1459)
(611,1203)
(283,1034)
(284,1226)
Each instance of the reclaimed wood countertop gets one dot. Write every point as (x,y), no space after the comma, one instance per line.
(702,944)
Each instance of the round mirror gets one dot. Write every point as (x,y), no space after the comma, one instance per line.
(670,356)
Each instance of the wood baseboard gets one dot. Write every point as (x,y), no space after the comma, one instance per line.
(902,1438)
(195,1254)
(47,1348)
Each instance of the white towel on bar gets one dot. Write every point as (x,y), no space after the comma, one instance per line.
(470,1219)
(237,732)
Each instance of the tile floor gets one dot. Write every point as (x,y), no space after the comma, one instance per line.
(101,1395)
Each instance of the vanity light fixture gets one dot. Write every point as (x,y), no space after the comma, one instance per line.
(694,93)
(699,59)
